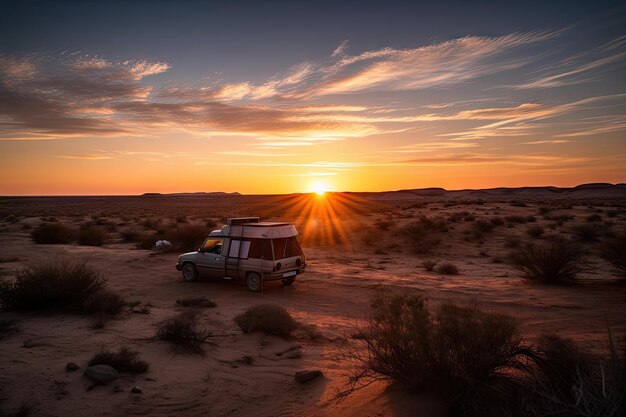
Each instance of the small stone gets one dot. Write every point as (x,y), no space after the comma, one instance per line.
(136,390)
(71,367)
(306,376)
(101,373)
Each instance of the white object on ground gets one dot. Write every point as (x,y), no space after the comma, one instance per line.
(163,245)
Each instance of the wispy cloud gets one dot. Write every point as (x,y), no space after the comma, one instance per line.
(339,50)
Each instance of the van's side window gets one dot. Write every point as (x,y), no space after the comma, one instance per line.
(239,249)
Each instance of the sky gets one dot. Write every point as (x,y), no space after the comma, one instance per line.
(128,97)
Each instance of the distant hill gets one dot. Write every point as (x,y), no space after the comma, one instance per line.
(215,193)
(599,190)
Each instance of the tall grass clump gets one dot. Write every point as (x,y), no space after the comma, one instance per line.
(267,318)
(551,262)
(92,236)
(124,360)
(53,233)
(183,332)
(567,381)
(186,237)
(459,352)
(614,251)
(63,286)
(424,233)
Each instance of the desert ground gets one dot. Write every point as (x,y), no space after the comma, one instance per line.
(356,245)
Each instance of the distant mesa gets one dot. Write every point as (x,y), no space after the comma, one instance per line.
(215,193)
(584,190)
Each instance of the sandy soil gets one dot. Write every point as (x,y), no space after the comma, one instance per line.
(332,296)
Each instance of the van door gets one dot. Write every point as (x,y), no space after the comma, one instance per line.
(211,259)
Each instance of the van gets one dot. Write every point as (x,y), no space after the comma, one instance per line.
(246,248)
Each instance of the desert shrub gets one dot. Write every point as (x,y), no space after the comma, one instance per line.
(568,381)
(384,224)
(614,251)
(54,233)
(131,235)
(531,219)
(423,233)
(61,286)
(447,269)
(268,319)
(497,221)
(183,332)
(587,232)
(7,328)
(553,262)
(181,219)
(535,231)
(515,219)
(186,237)
(544,210)
(105,302)
(512,241)
(483,226)
(460,352)
(196,302)
(594,218)
(91,236)
(429,265)
(124,360)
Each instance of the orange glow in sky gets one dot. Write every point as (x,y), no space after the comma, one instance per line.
(415,106)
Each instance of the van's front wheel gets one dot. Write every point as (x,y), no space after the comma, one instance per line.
(190,273)
(254,282)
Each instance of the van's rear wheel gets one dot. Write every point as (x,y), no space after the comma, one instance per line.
(288,281)
(190,273)
(254,282)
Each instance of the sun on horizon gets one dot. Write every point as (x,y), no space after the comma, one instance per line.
(320,188)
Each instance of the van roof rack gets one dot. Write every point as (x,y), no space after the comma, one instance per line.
(242,220)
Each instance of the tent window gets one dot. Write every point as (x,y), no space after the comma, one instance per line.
(239,248)
(286,248)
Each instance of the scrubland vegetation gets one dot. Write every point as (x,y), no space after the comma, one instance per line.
(481,363)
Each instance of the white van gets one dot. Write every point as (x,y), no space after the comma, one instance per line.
(249,249)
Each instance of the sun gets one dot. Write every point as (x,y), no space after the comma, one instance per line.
(320,188)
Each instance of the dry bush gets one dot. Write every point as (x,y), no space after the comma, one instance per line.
(535,231)
(384,224)
(183,332)
(587,232)
(447,269)
(483,226)
(267,318)
(124,360)
(614,251)
(91,236)
(554,262)
(497,221)
(423,233)
(594,218)
(196,302)
(55,233)
(63,286)
(515,219)
(186,237)
(429,265)
(8,328)
(131,235)
(461,353)
(567,381)
(103,305)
